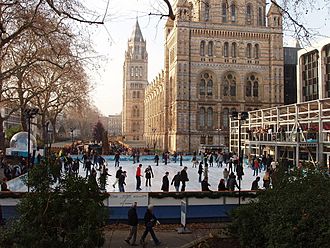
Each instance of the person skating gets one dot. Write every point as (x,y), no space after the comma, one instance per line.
(133,223)
(156,159)
(117,159)
(176,180)
(232,183)
(200,171)
(121,181)
(184,178)
(138,177)
(150,221)
(118,173)
(165,183)
(148,174)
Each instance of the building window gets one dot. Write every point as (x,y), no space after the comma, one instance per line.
(260,17)
(234,50)
(136,71)
(210,117)
(249,14)
(252,86)
(224,12)
(202,48)
(210,48)
(255,88)
(256,51)
(132,71)
(225,49)
(249,51)
(202,87)
(202,117)
(233,88)
(225,118)
(229,84)
(203,139)
(210,140)
(207,11)
(140,71)
(310,75)
(209,87)
(233,12)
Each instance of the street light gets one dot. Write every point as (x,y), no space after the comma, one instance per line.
(71,130)
(239,117)
(29,113)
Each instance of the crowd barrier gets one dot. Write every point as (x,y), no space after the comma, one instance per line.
(201,206)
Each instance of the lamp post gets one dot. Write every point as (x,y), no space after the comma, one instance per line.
(71,131)
(29,113)
(239,117)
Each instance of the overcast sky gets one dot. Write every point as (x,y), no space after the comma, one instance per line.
(110,42)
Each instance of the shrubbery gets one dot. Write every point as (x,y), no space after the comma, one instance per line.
(295,213)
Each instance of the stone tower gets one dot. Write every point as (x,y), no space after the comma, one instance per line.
(135,81)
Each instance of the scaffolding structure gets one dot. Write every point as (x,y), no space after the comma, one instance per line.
(297,132)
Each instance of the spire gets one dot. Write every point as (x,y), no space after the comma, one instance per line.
(297,44)
(136,34)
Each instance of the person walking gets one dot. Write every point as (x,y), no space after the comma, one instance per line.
(165,183)
(150,221)
(156,159)
(138,177)
(118,173)
(181,159)
(121,181)
(148,174)
(176,180)
(184,178)
(117,158)
(200,171)
(133,223)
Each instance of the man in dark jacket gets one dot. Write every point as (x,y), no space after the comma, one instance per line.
(176,180)
(184,178)
(150,221)
(121,181)
(255,183)
(118,174)
(205,184)
(133,222)
(166,183)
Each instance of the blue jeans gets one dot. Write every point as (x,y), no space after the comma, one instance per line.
(153,235)
(121,188)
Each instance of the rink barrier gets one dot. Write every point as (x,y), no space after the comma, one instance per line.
(201,206)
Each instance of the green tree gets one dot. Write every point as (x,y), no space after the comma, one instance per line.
(10,132)
(295,213)
(98,132)
(68,214)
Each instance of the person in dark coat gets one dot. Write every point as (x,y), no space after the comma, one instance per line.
(205,184)
(255,183)
(156,159)
(232,183)
(222,185)
(166,183)
(200,171)
(184,178)
(176,180)
(150,221)
(133,223)
(148,174)
(121,181)
(118,174)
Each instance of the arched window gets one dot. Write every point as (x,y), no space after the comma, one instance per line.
(252,86)
(202,87)
(132,71)
(256,51)
(224,12)
(209,87)
(136,111)
(138,94)
(260,17)
(209,117)
(202,48)
(229,85)
(248,14)
(248,88)
(134,94)
(255,88)
(233,12)
(233,50)
(136,71)
(225,118)
(249,51)
(140,71)
(210,48)
(202,117)
(225,49)
(206,81)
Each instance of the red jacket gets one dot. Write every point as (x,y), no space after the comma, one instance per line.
(138,171)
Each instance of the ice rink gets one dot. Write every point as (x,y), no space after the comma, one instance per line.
(214,175)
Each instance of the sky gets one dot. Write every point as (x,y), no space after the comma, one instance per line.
(110,43)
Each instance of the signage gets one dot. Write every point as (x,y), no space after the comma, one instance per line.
(127,199)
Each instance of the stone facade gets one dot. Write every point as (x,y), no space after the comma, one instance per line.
(220,56)
(135,81)
(115,125)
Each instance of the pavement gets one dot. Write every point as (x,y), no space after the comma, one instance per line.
(167,234)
